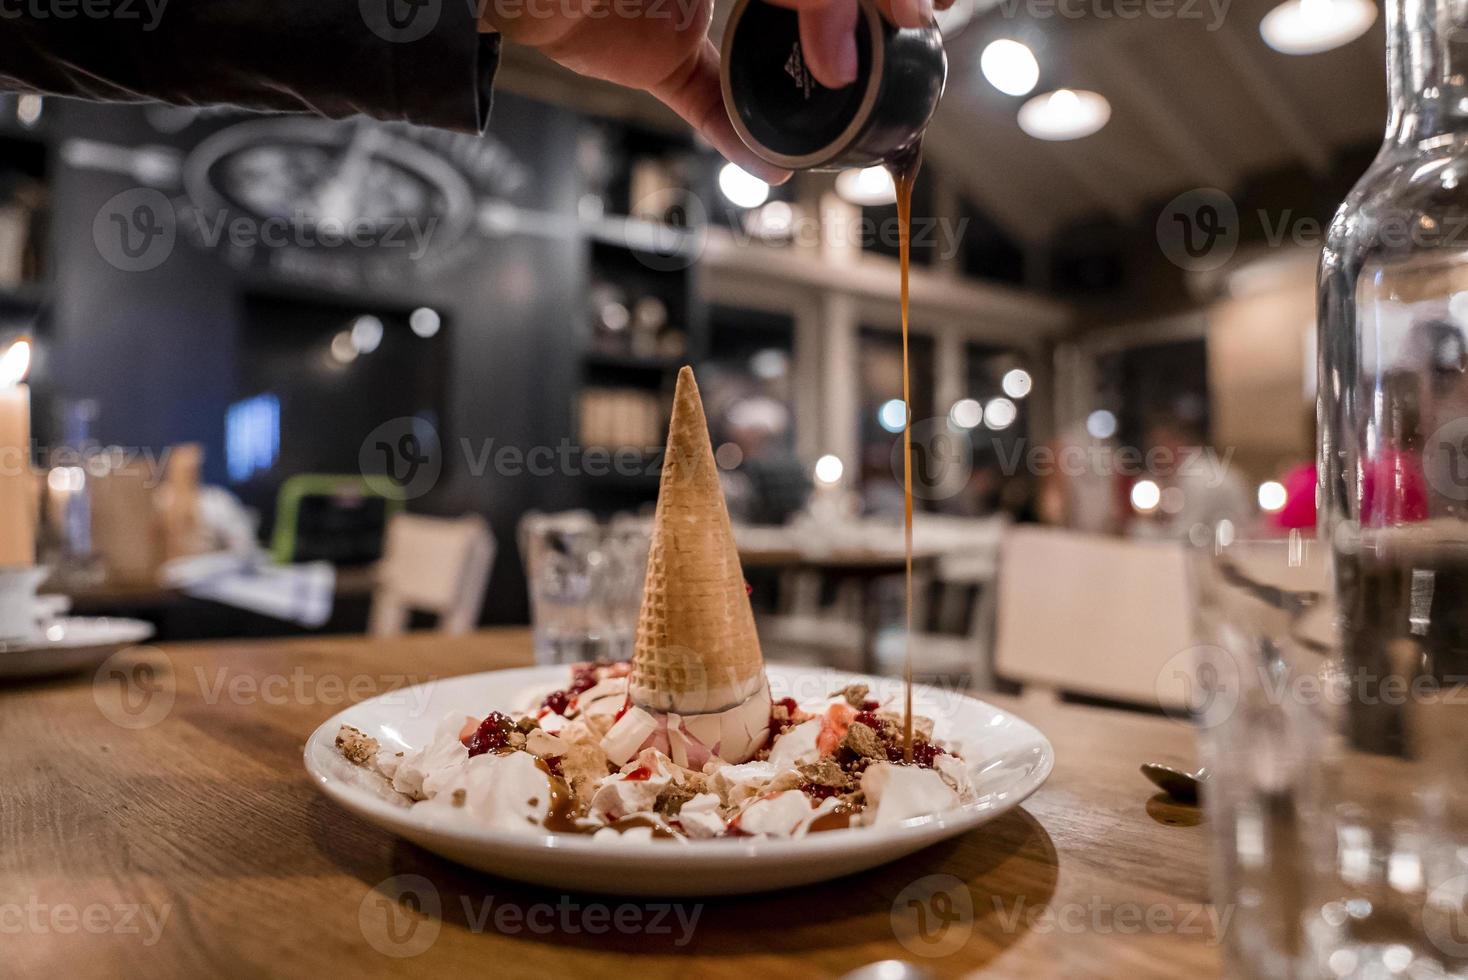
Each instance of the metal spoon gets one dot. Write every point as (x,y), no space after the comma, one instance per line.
(1181,785)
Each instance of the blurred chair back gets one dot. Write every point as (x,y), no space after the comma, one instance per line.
(1093,615)
(435,565)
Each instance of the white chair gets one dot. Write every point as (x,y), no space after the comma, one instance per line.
(435,565)
(1093,615)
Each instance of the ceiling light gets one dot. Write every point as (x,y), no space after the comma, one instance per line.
(1146,495)
(343,351)
(1010,67)
(1272,496)
(1312,26)
(1101,424)
(829,470)
(14,363)
(366,333)
(774,221)
(966,413)
(1065,114)
(1000,414)
(28,110)
(1016,383)
(741,187)
(867,186)
(424,322)
(892,416)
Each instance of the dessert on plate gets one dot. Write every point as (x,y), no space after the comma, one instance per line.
(686,740)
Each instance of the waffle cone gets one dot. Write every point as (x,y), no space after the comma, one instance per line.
(696,649)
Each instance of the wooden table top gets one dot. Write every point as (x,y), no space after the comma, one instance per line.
(156,821)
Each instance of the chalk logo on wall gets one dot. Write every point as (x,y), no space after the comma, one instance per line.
(135,230)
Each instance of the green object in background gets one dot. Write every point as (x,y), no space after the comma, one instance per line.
(285,538)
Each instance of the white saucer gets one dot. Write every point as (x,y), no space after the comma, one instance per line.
(1008,760)
(68,644)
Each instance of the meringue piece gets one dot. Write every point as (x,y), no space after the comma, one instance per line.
(606,698)
(738,783)
(787,814)
(552,723)
(497,792)
(700,817)
(628,735)
(387,762)
(797,746)
(541,743)
(733,735)
(619,796)
(955,773)
(420,771)
(897,793)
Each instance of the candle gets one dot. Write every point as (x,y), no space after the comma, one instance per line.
(17,483)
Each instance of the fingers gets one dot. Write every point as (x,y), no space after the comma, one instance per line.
(693,92)
(828,39)
(912,13)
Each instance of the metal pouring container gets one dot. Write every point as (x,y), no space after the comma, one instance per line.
(792,121)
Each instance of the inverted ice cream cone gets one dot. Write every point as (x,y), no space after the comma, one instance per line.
(696,649)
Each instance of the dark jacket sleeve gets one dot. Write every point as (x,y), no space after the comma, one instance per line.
(422,61)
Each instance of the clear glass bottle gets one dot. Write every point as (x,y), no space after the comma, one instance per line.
(1392,863)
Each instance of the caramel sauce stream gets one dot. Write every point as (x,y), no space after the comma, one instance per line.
(904,166)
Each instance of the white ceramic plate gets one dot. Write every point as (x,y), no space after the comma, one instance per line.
(70,643)
(1008,760)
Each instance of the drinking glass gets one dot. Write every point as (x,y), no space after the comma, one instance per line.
(585,583)
(1335,744)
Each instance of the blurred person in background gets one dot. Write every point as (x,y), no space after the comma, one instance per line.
(1195,487)
(769,485)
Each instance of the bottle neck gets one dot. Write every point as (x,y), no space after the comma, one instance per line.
(1427,69)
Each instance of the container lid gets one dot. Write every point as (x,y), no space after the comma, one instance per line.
(778,108)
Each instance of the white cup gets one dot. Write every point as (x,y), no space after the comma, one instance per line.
(20,613)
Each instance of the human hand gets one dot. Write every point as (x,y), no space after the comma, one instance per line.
(663,48)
